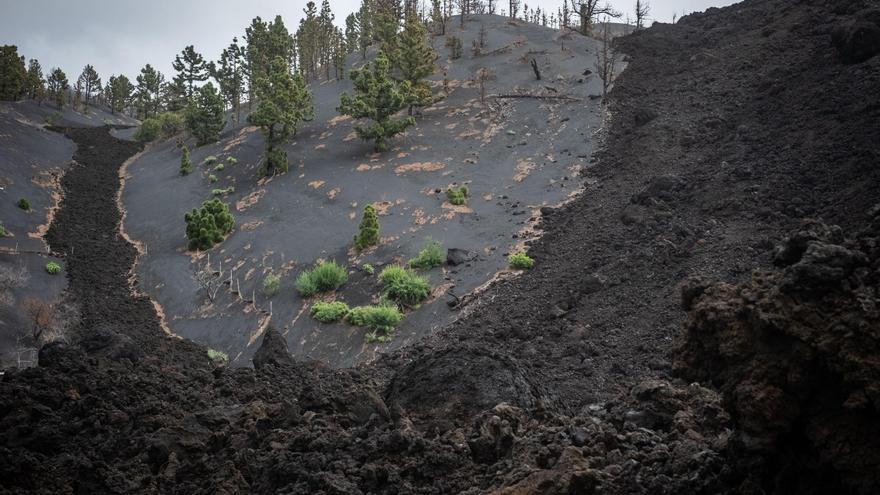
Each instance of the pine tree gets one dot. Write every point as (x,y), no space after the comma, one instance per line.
(57,85)
(147,93)
(204,115)
(368,230)
(35,82)
(377,97)
(365,24)
(325,41)
(186,165)
(172,95)
(191,68)
(229,73)
(13,75)
(352,32)
(285,101)
(89,83)
(120,92)
(415,59)
(438,18)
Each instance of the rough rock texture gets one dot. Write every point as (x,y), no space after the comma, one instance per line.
(795,353)
(558,380)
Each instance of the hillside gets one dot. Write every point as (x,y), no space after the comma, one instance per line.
(701,318)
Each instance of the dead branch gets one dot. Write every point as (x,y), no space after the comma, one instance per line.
(537,97)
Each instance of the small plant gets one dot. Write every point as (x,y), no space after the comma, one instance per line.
(24,204)
(368,268)
(520,261)
(217,357)
(327,276)
(219,167)
(208,225)
(223,192)
(231,160)
(5,233)
(454,44)
(212,178)
(381,320)
(53,268)
(457,195)
(186,165)
(368,230)
(210,160)
(404,286)
(329,312)
(429,257)
(271,285)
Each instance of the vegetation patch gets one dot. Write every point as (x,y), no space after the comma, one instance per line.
(208,225)
(404,286)
(223,192)
(271,285)
(326,276)
(53,268)
(219,358)
(329,312)
(381,320)
(24,204)
(186,165)
(368,230)
(457,195)
(520,261)
(430,256)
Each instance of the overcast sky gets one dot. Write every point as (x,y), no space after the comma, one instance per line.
(121,36)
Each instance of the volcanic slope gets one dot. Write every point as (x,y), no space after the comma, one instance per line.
(516,155)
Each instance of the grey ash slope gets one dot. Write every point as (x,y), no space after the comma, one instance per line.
(515,155)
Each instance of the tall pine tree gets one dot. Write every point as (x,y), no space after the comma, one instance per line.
(148,91)
(89,84)
(13,74)
(377,97)
(121,90)
(191,69)
(57,85)
(36,85)
(415,59)
(229,72)
(285,101)
(204,115)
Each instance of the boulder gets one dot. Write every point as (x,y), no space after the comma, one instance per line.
(856,41)
(273,351)
(456,256)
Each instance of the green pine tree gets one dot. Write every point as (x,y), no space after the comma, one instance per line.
(208,225)
(35,82)
(230,73)
(285,101)
(89,83)
(204,115)
(57,84)
(121,90)
(377,97)
(148,92)
(368,230)
(415,59)
(186,165)
(13,74)
(191,68)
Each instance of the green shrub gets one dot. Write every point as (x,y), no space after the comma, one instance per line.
(380,319)
(24,204)
(271,285)
(329,312)
(404,286)
(368,230)
(212,178)
(210,160)
(3,231)
(171,123)
(219,358)
(219,167)
(149,130)
(429,257)
(232,160)
(520,261)
(208,225)
(368,268)
(457,196)
(53,268)
(223,192)
(327,276)
(186,165)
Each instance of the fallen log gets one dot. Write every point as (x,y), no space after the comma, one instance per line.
(537,97)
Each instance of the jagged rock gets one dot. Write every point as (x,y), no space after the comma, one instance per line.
(104,342)
(663,188)
(273,351)
(856,41)
(456,256)
(644,116)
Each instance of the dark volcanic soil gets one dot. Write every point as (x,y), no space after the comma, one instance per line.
(729,129)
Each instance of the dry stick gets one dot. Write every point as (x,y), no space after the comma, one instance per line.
(537,97)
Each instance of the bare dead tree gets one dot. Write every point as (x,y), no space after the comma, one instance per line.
(484,75)
(589,10)
(11,278)
(534,64)
(41,316)
(208,280)
(642,11)
(491,7)
(605,59)
(482,36)
(514,8)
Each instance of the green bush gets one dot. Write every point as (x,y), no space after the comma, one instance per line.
(271,285)
(457,196)
(429,257)
(520,261)
(212,178)
(404,286)
(149,130)
(380,319)
(219,358)
(329,312)
(368,268)
(53,268)
(210,160)
(3,231)
(219,167)
(171,123)
(223,192)
(208,225)
(232,160)
(24,204)
(368,230)
(327,276)
(186,165)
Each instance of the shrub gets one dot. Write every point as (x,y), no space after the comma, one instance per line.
(170,123)
(208,225)
(429,257)
(380,319)
(212,178)
(149,130)
(186,165)
(368,268)
(3,231)
(210,160)
(368,230)
(219,358)
(329,312)
(457,196)
(232,160)
(24,204)
(223,192)
(271,285)
(403,286)
(325,277)
(53,268)
(520,261)
(219,167)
